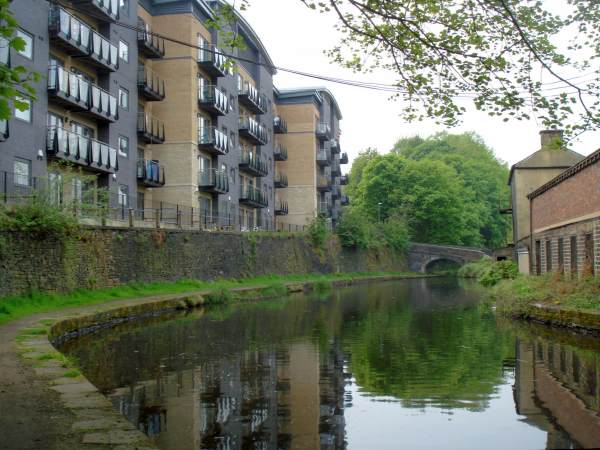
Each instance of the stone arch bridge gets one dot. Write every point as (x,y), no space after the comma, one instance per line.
(422,256)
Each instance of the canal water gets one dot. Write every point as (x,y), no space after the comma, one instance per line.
(416,364)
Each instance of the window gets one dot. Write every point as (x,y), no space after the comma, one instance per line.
(574,254)
(77,187)
(124,51)
(55,188)
(27,51)
(548,256)
(124,7)
(232,102)
(232,139)
(123,146)
(123,98)
(82,130)
(26,115)
(21,171)
(123,195)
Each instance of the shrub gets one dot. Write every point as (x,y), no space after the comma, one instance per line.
(488,272)
(318,232)
(354,230)
(395,233)
(475,269)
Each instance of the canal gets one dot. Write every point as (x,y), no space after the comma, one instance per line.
(416,364)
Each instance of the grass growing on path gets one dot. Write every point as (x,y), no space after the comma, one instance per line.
(15,307)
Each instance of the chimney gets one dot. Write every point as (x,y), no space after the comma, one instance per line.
(552,139)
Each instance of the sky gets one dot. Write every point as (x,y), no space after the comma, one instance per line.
(296,38)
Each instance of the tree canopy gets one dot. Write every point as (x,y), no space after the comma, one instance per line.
(446,187)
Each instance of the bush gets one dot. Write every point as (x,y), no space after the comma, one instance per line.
(488,272)
(395,233)
(318,232)
(356,230)
(475,269)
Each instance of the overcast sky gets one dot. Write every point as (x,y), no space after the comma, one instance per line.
(295,38)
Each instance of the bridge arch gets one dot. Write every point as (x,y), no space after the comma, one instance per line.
(422,256)
(429,265)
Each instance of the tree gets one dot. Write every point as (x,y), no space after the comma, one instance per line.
(15,82)
(358,165)
(501,55)
(484,178)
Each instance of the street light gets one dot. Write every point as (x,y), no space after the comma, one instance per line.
(379,212)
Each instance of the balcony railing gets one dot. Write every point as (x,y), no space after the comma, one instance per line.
(281,208)
(324,208)
(252,99)
(150,173)
(323,130)
(344,200)
(213,100)
(213,180)
(323,182)
(4,52)
(335,190)
(150,129)
(280,153)
(212,60)
(279,125)
(334,144)
(251,196)
(81,150)
(78,39)
(344,158)
(324,157)
(335,167)
(150,45)
(74,92)
(107,10)
(344,180)
(212,140)
(253,164)
(150,86)
(4,132)
(253,131)
(280,180)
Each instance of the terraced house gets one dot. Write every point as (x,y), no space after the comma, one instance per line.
(177,131)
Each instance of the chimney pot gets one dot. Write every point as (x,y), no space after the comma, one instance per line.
(551,139)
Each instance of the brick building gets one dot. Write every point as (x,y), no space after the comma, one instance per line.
(565,221)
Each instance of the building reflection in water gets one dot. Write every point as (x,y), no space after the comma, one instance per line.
(557,390)
(281,398)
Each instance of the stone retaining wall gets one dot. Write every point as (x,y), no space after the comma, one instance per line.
(103,257)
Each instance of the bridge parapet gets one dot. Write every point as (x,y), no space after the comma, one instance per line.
(422,255)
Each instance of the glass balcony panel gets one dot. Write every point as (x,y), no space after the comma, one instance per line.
(95,152)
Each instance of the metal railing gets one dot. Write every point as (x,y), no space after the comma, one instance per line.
(254,163)
(150,128)
(212,138)
(253,195)
(151,82)
(150,172)
(250,95)
(323,130)
(61,81)
(213,96)
(110,8)
(154,45)
(71,28)
(324,156)
(103,50)
(280,180)
(80,149)
(211,56)
(279,125)
(253,129)
(213,179)
(280,153)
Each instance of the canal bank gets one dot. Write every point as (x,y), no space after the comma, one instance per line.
(45,400)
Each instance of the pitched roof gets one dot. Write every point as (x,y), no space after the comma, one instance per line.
(547,159)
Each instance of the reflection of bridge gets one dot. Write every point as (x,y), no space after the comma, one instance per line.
(422,256)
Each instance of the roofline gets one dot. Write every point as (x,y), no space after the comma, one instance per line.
(206,8)
(571,171)
(249,31)
(513,168)
(316,91)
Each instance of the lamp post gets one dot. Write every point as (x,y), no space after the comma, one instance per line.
(379,212)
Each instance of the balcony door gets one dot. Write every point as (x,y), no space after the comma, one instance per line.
(82,130)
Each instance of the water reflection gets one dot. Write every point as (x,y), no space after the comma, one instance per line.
(371,366)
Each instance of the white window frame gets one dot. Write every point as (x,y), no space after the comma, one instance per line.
(27,115)
(123,51)
(21,172)
(123,94)
(121,152)
(28,38)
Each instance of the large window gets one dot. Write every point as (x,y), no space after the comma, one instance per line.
(26,115)
(123,98)
(123,146)
(124,51)
(27,51)
(21,172)
(124,7)
(123,195)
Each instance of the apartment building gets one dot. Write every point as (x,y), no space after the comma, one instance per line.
(168,127)
(314,157)
(83,119)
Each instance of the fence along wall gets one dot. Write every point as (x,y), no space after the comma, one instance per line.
(103,257)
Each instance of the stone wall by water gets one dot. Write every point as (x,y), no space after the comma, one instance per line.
(102,257)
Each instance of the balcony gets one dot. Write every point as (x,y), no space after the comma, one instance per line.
(279,125)
(213,100)
(4,130)
(334,144)
(324,208)
(323,183)
(281,208)
(150,173)
(280,180)
(253,165)
(280,153)
(68,89)
(81,150)
(323,131)
(4,52)
(150,130)
(106,10)
(212,60)
(253,197)
(253,131)
(324,157)
(344,158)
(150,45)
(335,190)
(335,167)
(213,180)
(77,39)
(344,180)
(212,140)
(150,86)
(252,99)
(344,200)
(103,105)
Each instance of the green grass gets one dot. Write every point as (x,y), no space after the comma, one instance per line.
(515,296)
(16,307)
(73,373)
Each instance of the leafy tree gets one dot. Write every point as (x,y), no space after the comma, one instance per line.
(15,82)
(358,165)
(484,179)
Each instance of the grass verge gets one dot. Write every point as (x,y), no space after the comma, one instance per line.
(16,307)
